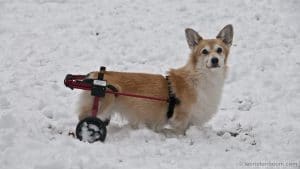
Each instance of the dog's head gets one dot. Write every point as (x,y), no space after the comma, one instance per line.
(209,54)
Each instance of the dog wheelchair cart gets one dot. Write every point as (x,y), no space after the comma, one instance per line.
(93,129)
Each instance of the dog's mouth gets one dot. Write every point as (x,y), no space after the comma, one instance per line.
(215,66)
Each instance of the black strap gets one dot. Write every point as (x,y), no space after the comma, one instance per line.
(173,100)
(98,90)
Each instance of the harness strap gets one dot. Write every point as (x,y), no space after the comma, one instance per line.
(173,100)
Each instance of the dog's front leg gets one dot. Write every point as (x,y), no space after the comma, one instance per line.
(179,123)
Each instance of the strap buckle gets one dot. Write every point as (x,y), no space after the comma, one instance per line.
(99,85)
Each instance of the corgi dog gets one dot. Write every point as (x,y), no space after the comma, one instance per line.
(197,85)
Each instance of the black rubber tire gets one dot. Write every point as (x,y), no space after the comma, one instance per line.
(96,129)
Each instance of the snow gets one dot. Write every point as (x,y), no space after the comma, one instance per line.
(43,40)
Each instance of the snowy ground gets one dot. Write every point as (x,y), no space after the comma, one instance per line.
(42,40)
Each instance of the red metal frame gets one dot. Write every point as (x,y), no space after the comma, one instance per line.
(77,82)
(95,106)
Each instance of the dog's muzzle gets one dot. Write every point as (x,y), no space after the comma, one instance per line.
(214,63)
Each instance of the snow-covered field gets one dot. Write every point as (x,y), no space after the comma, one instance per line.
(43,40)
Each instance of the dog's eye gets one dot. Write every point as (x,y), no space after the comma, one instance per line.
(219,50)
(205,51)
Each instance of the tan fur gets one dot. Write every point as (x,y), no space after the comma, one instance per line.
(197,86)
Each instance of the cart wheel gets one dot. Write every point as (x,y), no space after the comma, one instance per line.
(91,129)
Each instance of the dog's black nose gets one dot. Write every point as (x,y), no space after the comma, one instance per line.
(214,60)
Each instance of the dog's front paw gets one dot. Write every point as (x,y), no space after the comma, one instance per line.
(169,133)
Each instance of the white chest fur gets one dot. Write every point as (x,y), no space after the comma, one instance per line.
(209,92)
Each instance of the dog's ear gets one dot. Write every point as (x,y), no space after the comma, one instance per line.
(226,35)
(192,37)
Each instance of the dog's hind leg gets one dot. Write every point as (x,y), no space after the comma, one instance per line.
(105,111)
(86,104)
